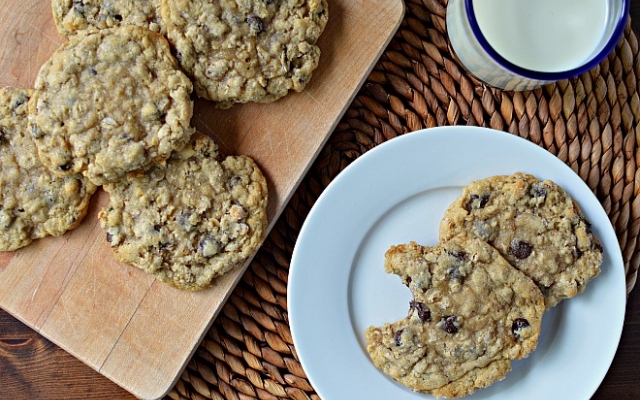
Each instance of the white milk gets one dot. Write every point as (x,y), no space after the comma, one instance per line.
(543,35)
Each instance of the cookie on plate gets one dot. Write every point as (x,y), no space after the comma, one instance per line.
(238,51)
(190,220)
(110,102)
(535,225)
(472,314)
(72,16)
(34,202)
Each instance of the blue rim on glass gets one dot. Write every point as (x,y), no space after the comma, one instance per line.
(549,76)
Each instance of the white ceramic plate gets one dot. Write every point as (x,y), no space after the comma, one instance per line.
(398,192)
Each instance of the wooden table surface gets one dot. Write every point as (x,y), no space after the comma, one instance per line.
(31,367)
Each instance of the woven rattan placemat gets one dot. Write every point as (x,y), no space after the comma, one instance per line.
(590,122)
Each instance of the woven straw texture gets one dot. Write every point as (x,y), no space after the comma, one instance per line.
(590,122)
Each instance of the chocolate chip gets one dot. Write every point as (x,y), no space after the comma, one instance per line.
(449,324)
(458,255)
(118,17)
(235,181)
(539,190)
(454,272)
(587,226)
(93,71)
(256,23)
(407,281)
(484,199)
(520,249)
(209,246)
(396,337)
(423,312)
(176,54)
(577,253)
(35,132)
(183,219)
(518,325)
(470,201)
(544,289)
(65,167)
(109,237)
(300,78)
(78,7)
(475,201)
(19,101)
(157,228)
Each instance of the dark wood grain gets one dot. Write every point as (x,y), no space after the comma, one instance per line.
(31,367)
(622,380)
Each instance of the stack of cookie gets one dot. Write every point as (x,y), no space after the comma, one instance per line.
(510,248)
(112,107)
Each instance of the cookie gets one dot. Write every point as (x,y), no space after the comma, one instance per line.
(472,314)
(237,51)
(110,102)
(72,16)
(535,225)
(34,202)
(190,220)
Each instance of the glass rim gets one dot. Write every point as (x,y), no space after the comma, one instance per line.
(549,76)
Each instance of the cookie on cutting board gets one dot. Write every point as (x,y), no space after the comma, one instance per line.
(191,219)
(110,102)
(34,202)
(238,51)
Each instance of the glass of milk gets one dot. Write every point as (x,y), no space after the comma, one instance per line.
(524,44)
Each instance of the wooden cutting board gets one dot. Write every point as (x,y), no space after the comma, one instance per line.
(135,330)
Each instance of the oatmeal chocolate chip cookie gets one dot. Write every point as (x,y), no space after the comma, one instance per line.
(190,220)
(239,51)
(110,102)
(34,202)
(72,16)
(535,225)
(472,314)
